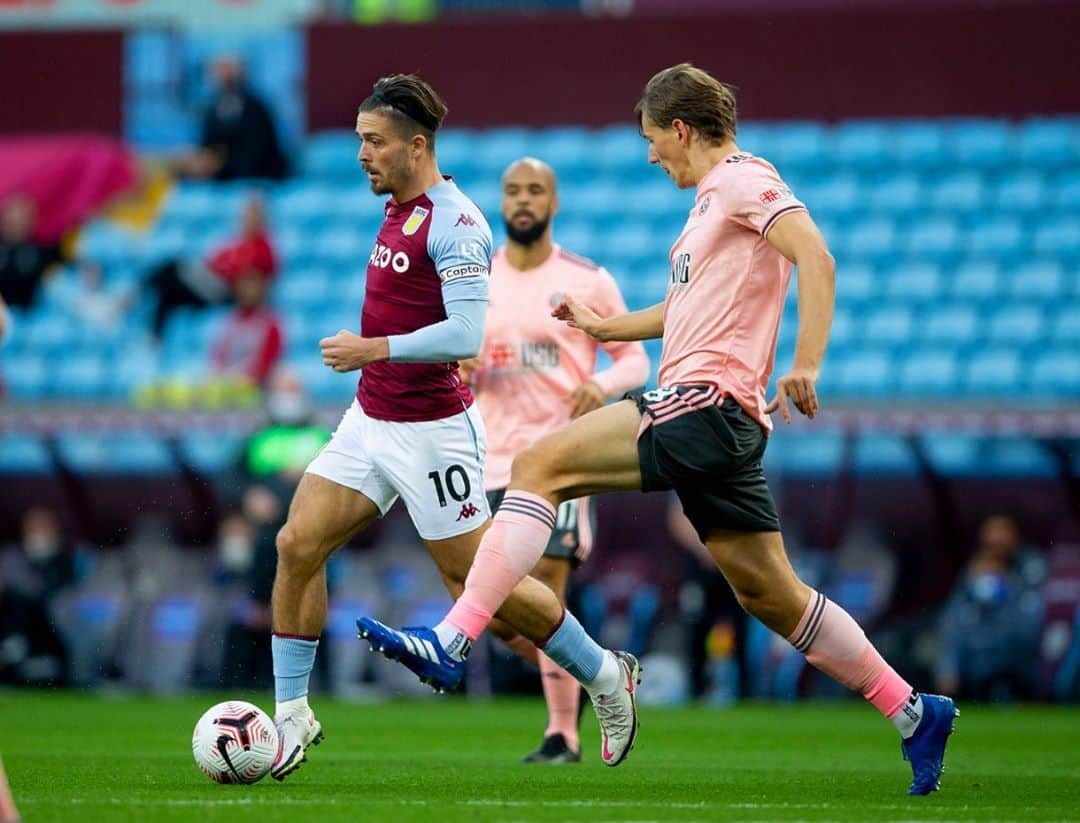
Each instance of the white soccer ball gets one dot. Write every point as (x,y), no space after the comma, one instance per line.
(235,742)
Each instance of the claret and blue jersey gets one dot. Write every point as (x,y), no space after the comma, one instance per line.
(436,239)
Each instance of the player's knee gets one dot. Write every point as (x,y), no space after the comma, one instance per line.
(763,604)
(534,469)
(294,555)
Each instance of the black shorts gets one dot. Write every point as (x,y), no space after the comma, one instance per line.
(575,525)
(710,455)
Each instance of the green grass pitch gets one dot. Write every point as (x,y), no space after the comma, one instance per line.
(73,757)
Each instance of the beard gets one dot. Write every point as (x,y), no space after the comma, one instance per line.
(392,176)
(530,234)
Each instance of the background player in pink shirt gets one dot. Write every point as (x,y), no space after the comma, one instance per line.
(703,432)
(535,374)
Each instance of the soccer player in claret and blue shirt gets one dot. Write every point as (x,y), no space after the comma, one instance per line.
(412,431)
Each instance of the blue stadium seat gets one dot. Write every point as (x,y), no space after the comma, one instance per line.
(958,192)
(977,280)
(980,143)
(28,376)
(619,149)
(331,156)
(339,246)
(1056,373)
(1037,280)
(998,236)
(130,370)
(108,244)
(884,454)
(579,237)
(805,452)
(1022,192)
(931,238)
(855,283)
(929,372)
(955,324)
(798,146)
(900,194)
(919,144)
(1017,457)
(1058,235)
(872,238)
(838,195)
(888,325)
(302,204)
(211,452)
(953,454)
(306,287)
(1048,143)
(1067,325)
(993,373)
(914,283)
(456,148)
(495,149)
(1016,324)
(861,144)
(566,149)
(1067,189)
(23,453)
(134,453)
(865,373)
(81,377)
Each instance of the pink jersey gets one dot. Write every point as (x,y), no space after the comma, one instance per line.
(530,361)
(726,294)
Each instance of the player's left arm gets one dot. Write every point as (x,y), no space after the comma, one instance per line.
(797,237)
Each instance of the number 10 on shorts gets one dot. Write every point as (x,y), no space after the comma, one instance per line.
(455,481)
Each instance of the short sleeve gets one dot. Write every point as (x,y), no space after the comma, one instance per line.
(459,244)
(759,197)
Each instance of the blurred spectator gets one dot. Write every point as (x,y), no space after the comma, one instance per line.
(200,284)
(239,138)
(278,453)
(23,262)
(87,298)
(989,630)
(31,652)
(241,580)
(43,563)
(714,622)
(250,343)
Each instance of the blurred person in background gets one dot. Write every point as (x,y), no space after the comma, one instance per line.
(989,631)
(88,299)
(535,374)
(23,261)
(710,612)
(31,651)
(250,343)
(239,139)
(199,284)
(44,562)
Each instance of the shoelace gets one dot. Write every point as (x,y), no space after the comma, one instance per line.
(611,715)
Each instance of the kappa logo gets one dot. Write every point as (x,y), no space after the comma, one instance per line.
(467,511)
(415,221)
(465,220)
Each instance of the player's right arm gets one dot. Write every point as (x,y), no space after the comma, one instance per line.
(647,324)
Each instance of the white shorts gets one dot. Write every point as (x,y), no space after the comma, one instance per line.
(436,466)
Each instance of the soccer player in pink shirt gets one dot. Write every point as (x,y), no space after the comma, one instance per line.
(535,374)
(704,431)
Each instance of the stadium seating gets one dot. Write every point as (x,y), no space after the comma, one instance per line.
(956,241)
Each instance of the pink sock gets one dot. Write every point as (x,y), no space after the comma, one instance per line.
(562,693)
(510,549)
(833,642)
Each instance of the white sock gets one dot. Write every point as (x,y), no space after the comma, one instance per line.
(907,719)
(453,641)
(298,705)
(607,679)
